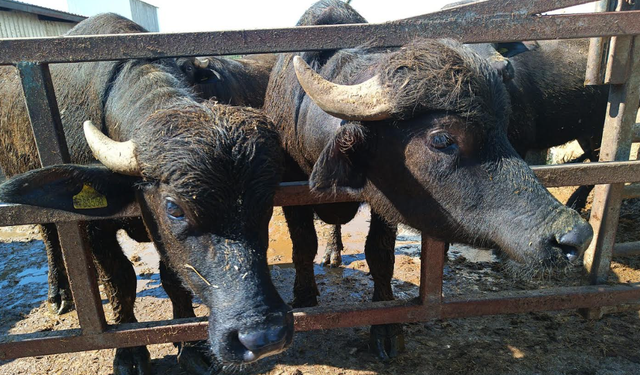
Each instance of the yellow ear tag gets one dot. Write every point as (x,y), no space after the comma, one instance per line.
(89,198)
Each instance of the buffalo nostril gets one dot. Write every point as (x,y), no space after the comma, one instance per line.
(263,342)
(571,254)
(575,240)
(579,236)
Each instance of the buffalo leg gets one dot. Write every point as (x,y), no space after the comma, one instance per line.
(305,246)
(59,296)
(193,356)
(136,229)
(578,200)
(333,253)
(387,339)
(119,280)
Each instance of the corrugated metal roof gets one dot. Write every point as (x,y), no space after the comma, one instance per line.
(41,11)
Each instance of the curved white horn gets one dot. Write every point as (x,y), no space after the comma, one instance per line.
(117,156)
(202,63)
(367,101)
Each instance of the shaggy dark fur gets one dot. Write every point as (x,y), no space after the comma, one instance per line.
(240,82)
(215,167)
(442,164)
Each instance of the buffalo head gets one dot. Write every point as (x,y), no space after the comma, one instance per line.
(421,132)
(205,181)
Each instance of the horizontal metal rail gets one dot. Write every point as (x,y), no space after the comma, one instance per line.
(326,317)
(627,249)
(298,194)
(392,34)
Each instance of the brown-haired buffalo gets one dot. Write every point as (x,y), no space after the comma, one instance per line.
(421,132)
(204,174)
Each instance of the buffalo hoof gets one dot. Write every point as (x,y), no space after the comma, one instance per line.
(386,341)
(132,361)
(194,358)
(332,258)
(61,303)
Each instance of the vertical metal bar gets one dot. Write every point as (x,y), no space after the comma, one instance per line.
(618,62)
(82,277)
(431,270)
(598,50)
(616,143)
(52,149)
(43,113)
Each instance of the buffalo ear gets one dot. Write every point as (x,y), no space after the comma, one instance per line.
(341,165)
(86,189)
(511,49)
(500,61)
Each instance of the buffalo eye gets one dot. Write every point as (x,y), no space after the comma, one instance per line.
(174,211)
(442,141)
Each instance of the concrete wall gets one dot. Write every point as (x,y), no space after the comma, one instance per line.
(16,24)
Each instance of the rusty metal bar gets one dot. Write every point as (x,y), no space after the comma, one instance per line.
(618,62)
(498,7)
(328,317)
(297,193)
(616,142)
(121,335)
(43,113)
(627,249)
(432,256)
(588,173)
(52,149)
(154,45)
(82,277)
(598,50)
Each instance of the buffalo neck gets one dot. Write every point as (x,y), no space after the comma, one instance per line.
(140,89)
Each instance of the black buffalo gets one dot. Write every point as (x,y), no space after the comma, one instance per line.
(550,105)
(421,132)
(240,82)
(203,173)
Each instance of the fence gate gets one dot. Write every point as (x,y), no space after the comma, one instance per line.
(490,21)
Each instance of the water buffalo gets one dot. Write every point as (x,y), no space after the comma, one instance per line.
(203,173)
(550,105)
(240,82)
(421,132)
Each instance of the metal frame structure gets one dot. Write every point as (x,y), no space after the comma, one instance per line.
(494,20)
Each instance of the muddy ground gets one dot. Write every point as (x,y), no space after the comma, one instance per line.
(535,343)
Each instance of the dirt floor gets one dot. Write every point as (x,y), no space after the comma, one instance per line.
(535,343)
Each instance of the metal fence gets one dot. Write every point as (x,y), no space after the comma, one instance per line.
(494,20)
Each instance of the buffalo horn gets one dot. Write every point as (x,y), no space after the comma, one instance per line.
(201,63)
(366,101)
(117,156)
